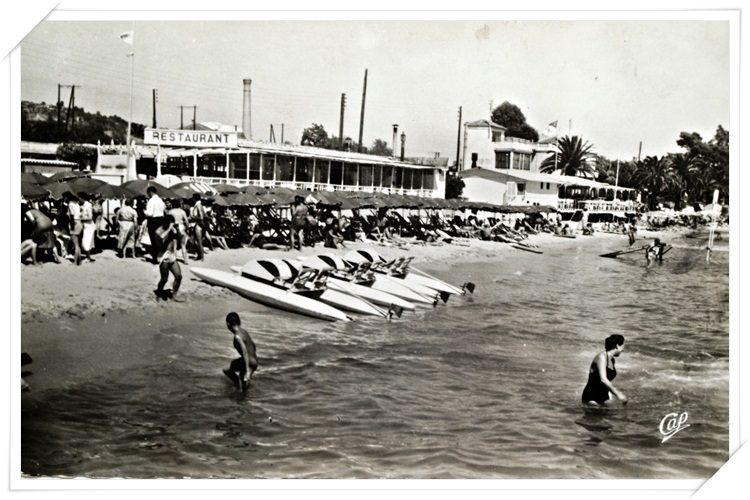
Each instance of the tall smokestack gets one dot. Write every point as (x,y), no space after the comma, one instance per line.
(395,132)
(403,145)
(247,130)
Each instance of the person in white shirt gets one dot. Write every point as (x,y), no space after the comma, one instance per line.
(154,218)
(75,226)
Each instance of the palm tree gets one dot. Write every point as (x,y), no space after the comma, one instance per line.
(655,175)
(572,158)
(683,165)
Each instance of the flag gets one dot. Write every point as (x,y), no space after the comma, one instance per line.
(550,132)
(127,37)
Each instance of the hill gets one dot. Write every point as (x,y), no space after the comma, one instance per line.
(39,123)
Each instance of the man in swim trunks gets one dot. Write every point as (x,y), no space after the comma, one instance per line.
(601,373)
(248,362)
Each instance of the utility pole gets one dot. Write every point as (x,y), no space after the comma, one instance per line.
(59,112)
(341,122)
(195,109)
(181,123)
(640,145)
(155,99)
(70,115)
(282,133)
(272,136)
(458,140)
(362,114)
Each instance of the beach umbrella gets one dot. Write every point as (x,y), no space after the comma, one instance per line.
(85,185)
(245,200)
(255,189)
(110,191)
(32,191)
(58,189)
(220,201)
(68,174)
(224,188)
(188,189)
(34,178)
(139,187)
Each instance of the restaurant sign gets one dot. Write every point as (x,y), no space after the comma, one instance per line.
(190,138)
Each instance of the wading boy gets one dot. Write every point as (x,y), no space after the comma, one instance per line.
(248,362)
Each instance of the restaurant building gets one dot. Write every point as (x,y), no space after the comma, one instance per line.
(222,156)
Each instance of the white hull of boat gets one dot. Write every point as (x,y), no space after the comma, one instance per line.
(376,297)
(394,286)
(433,283)
(269,295)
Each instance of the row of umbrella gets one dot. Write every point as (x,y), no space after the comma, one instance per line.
(37,186)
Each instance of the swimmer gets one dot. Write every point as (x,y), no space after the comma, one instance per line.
(601,373)
(655,251)
(248,362)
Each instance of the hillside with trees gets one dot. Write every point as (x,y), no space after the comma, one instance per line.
(39,123)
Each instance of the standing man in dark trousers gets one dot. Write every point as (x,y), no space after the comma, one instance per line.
(154,218)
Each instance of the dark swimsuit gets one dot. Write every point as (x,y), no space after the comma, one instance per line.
(595,390)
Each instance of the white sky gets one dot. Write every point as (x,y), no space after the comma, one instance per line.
(615,83)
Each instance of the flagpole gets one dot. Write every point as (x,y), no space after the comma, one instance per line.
(556,147)
(130,114)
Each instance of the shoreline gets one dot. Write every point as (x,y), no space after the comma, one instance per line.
(52,291)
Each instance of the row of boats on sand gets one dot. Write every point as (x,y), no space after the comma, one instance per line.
(331,286)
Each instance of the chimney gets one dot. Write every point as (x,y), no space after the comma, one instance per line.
(403,144)
(247,131)
(395,137)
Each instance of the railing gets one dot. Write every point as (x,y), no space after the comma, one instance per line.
(315,186)
(596,205)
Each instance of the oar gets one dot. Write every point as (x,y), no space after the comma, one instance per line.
(612,255)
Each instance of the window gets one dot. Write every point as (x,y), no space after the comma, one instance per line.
(269,167)
(284,168)
(387,176)
(416,179)
(541,185)
(238,166)
(350,174)
(376,175)
(502,159)
(521,188)
(254,166)
(398,177)
(337,173)
(321,171)
(303,169)
(365,175)
(428,179)
(212,166)
(548,185)
(521,161)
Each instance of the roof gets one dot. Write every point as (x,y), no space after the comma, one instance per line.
(501,175)
(250,146)
(485,123)
(39,148)
(57,163)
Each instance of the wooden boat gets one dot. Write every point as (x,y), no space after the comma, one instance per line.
(270,295)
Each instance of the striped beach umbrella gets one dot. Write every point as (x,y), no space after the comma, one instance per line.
(188,189)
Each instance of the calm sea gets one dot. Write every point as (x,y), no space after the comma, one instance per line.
(485,386)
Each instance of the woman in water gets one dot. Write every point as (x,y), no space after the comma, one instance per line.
(602,372)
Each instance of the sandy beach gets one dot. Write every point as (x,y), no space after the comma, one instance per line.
(69,313)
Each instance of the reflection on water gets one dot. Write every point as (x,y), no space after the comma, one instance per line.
(486,386)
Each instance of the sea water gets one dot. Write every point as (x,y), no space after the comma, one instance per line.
(483,386)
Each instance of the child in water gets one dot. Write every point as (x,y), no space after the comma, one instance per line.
(248,362)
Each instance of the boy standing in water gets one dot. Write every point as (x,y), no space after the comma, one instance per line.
(248,362)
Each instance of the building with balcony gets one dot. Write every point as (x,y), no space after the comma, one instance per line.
(504,170)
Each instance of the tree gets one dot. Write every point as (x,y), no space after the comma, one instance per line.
(573,158)
(510,116)
(657,176)
(709,164)
(380,148)
(454,186)
(83,155)
(315,136)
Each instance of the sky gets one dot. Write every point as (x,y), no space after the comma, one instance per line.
(615,83)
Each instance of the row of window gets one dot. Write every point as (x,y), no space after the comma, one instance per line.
(516,161)
(281,168)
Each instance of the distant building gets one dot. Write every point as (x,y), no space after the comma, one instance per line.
(41,158)
(214,154)
(504,170)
